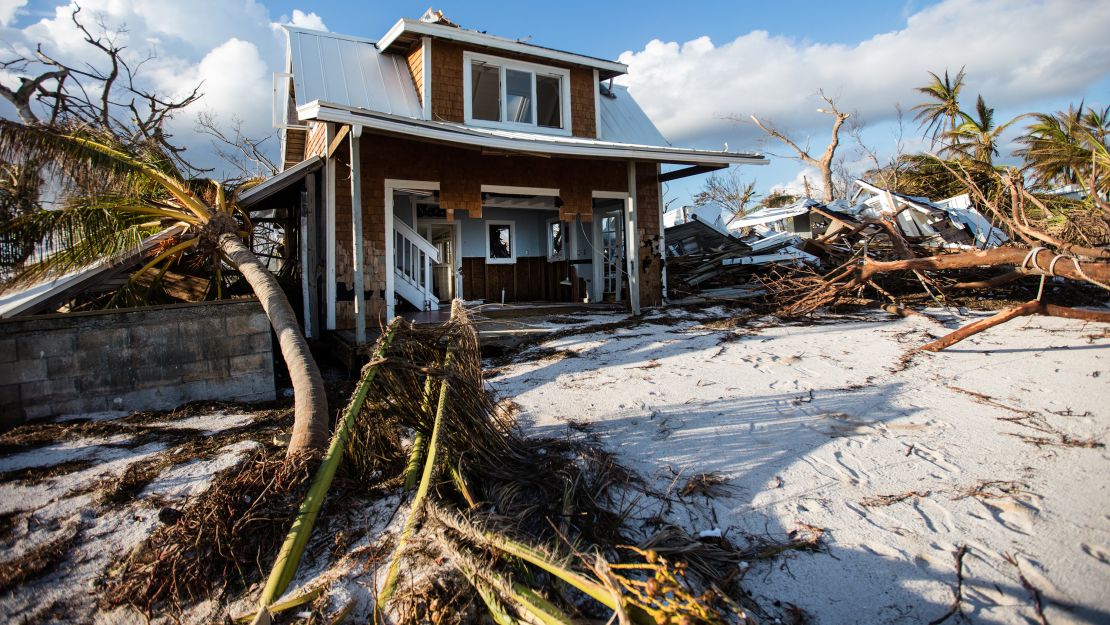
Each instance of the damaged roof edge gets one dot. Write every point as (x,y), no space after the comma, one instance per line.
(568,146)
(279,182)
(417,27)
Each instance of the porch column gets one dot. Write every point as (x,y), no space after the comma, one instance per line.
(632,237)
(356,232)
(330,295)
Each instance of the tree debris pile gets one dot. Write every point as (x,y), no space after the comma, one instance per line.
(213,544)
(894,251)
(488,524)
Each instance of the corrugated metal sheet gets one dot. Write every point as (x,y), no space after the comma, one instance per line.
(351,72)
(623,121)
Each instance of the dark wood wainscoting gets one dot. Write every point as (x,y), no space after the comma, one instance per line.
(530,279)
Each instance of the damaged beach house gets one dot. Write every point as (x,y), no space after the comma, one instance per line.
(439,162)
(709,255)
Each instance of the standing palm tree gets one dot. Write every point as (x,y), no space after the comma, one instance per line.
(113,196)
(946,105)
(1067,147)
(977,137)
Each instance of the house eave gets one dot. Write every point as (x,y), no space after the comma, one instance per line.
(406,29)
(534,144)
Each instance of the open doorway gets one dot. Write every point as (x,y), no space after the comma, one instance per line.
(609,255)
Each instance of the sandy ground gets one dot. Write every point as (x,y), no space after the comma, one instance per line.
(68,507)
(994,447)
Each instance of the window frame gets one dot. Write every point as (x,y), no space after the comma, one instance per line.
(534,69)
(511,260)
(562,255)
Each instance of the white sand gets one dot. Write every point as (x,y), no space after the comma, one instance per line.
(810,421)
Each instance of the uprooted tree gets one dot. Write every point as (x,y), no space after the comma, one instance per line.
(118,179)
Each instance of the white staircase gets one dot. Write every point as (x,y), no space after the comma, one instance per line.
(413,256)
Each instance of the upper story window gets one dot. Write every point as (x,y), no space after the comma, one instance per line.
(512,94)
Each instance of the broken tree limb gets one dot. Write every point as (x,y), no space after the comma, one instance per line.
(1039,263)
(1034,307)
(990,283)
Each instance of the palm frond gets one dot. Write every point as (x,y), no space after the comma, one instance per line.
(81,233)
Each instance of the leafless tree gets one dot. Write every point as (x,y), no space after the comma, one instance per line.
(728,192)
(244,153)
(106,96)
(824,164)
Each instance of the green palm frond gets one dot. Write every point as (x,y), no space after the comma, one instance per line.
(82,232)
(945,106)
(83,159)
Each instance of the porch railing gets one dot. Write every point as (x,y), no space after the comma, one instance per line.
(413,257)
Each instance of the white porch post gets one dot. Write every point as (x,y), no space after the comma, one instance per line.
(632,242)
(390,251)
(356,232)
(662,239)
(329,232)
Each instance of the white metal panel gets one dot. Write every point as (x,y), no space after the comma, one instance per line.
(350,72)
(623,121)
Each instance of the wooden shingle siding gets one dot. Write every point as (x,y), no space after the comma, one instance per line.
(415,58)
(448,88)
(316,144)
(396,158)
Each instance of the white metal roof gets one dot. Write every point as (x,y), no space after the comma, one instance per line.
(279,182)
(336,68)
(348,80)
(521,141)
(14,303)
(772,214)
(623,121)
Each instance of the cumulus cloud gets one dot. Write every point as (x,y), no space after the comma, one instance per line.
(8,9)
(230,48)
(307,20)
(1014,53)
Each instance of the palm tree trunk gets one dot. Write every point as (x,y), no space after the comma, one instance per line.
(310,418)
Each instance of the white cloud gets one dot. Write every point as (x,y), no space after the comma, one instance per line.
(1014,53)
(307,20)
(8,9)
(232,47)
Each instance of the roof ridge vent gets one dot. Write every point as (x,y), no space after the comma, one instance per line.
(433,16)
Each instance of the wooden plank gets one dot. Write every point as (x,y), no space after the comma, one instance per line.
(338,140)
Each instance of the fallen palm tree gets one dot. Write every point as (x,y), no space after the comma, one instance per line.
(532,530)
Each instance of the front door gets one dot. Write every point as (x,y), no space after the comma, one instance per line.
(609,232)
(443,273)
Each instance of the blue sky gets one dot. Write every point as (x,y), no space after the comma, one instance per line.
(692,65)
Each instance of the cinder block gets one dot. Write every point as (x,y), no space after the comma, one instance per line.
(8,351)
(109,339)
(46,344)
(44,391)
(240,365)
(23,371)
(261,342)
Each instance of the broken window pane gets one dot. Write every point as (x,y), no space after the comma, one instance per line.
(500,241)
(548,93)
(485,91)
(518,96)
(555,240)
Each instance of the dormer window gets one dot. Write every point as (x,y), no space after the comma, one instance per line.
(500,93)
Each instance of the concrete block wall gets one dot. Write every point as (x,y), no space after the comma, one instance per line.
(137,359)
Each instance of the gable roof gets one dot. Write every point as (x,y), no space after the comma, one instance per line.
(349,80)
(408,31)
(347,70)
